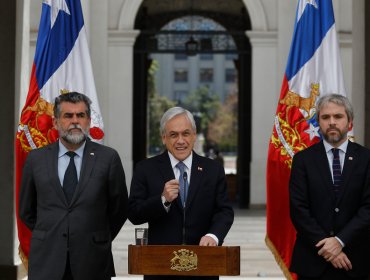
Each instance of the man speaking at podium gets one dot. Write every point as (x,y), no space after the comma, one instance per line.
(181,195)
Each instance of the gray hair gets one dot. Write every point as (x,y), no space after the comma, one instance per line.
(71,97)
(173,112)
(338,99)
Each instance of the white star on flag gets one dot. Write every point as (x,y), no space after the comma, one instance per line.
(56,6)
(311,2)
(313,131)
(303,5)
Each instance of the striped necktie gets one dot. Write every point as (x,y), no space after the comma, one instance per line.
(337,171)
(183,182)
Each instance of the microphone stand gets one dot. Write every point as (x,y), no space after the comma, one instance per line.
(185,178)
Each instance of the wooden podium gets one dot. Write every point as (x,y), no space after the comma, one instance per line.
(183,260)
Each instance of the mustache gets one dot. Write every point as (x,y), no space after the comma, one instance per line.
(73,126)
(333,128)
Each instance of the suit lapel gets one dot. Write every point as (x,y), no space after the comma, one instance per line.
(349,163)
(88,162)
(197,170)
(52,170)
(322,163)
(165,167)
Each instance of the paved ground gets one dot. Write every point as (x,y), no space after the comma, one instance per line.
(248,231)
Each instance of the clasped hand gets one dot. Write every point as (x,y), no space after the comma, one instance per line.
(331,251)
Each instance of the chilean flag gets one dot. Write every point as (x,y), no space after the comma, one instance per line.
(61,64)
(313,70)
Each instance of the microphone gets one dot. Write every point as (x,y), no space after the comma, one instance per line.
(185,178)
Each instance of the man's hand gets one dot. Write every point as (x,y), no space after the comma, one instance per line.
(330,248)
(341,261)
(171,190)
(207,241)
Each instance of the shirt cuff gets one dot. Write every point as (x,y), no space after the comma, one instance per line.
(167,208)
(213,237)
(340,241)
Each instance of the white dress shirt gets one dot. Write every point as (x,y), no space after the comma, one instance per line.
(342,155)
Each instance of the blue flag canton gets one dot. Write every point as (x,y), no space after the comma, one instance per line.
(54,43)
(309,31)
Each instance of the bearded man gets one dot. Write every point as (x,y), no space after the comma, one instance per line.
(330,200)
(73,198)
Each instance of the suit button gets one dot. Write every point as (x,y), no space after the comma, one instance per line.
(331,233)
(336,210)
(64,235)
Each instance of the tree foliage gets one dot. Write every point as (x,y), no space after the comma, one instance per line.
(205,105)
(217,121)
(223,130)
(157,105)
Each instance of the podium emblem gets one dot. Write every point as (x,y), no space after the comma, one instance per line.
(184,260)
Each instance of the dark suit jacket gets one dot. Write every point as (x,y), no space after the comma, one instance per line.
(207,210)
(317,214)
(86,227)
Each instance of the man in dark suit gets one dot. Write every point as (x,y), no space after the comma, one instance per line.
(182,195)
(330,200)
(74,203)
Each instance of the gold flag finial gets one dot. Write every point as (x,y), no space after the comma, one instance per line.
(64,91)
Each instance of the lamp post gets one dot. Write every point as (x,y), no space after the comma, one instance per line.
(191,46)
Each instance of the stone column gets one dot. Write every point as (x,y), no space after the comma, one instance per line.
(367,74)
(356,43)
(118,118)
(265,82)
(98,43)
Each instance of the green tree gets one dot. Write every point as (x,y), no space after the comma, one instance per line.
(223,130)
(157,105)
(205,105)
(152,87)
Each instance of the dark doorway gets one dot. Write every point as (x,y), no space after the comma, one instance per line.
(150,24)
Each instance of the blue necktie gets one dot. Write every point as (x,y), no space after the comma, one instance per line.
(337,172)
(183,182)
(70,177)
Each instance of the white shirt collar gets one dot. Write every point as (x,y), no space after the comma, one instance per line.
(188,161)
(342,147)
(63,149)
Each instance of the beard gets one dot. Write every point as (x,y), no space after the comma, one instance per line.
(74,137)
(336,138)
